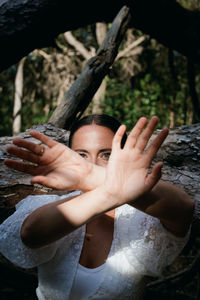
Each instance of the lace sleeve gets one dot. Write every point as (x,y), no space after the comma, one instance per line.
(152,247)
(11,245)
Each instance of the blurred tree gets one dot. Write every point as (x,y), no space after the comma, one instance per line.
(16,127)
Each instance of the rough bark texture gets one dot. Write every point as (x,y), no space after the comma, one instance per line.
(33,22)
(181,157)
(180,154)
(83,89)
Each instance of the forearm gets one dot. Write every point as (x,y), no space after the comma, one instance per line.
(53,221)
(170,204)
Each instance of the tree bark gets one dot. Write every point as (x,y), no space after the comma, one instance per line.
(101,30)
(32,21)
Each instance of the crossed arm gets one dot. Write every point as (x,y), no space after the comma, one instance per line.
(126,179)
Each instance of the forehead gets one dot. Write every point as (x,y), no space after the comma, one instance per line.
(92,135)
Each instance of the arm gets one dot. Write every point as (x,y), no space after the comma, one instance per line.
(55,220)
(61,168)
(170,204)
(126,179)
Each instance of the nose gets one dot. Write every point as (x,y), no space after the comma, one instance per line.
(93,159)
(96,160)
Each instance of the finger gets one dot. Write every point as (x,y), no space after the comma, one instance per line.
(23,154)
(20,166)
(155,176)
(155,145)
(33,147)
(116,143)
(146,134)
(43,180)
(135,132)
(43,138)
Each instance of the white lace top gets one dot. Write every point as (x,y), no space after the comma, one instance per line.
(141,246)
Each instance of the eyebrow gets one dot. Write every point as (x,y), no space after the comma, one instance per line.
(85,151)
(82,150)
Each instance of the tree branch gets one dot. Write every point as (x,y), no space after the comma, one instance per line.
(78,45)
(83,89)
(129,49)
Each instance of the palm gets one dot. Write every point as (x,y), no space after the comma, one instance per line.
(130,176)
(127,172)
(59,167)
(63,166)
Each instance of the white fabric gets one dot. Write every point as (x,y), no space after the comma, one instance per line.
(141,246)
(86,282)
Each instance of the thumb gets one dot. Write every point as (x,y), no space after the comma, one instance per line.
(43,180)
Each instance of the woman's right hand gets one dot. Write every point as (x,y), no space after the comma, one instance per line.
(54,164)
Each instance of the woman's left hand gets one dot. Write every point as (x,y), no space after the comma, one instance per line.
(127,175)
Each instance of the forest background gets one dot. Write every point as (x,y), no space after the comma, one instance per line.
(146,79)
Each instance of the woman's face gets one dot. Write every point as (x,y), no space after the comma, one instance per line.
(94,143)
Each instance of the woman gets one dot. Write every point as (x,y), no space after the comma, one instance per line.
(99,244)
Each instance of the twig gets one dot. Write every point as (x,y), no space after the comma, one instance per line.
(133,45)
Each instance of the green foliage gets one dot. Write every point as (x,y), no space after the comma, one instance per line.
(127,104)
(155,91)
(33,113)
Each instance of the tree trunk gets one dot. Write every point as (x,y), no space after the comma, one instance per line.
(180,154)
(32,21)
(18,98)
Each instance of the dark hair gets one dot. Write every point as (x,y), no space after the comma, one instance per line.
(101,120)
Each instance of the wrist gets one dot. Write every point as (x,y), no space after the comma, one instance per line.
(108,200)
(87,206)
(94,178)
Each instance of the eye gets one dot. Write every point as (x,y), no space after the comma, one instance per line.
(105,155)
(82,154)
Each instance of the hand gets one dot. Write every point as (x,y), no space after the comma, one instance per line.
(127,175)
(54,165)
